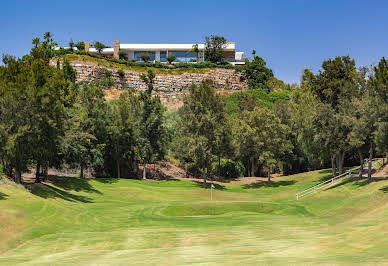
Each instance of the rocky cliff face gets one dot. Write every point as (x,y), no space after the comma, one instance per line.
(171,87)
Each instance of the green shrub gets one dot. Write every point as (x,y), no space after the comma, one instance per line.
(108,73)
(228,168)
(205,64)
(145,57)
(171,58)
(121,73)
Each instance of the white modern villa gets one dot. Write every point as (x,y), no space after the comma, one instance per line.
(159,52)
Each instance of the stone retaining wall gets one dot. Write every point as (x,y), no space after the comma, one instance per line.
(171,87)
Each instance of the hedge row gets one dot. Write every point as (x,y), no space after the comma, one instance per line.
(157,64)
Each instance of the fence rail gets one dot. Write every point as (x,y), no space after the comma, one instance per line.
(331,182)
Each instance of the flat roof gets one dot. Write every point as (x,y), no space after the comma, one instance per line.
(169,46)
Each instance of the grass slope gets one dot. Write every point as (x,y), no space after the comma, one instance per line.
(113,222)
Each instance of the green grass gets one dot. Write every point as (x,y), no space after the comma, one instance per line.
(123,222)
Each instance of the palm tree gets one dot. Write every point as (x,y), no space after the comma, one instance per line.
(48,36)
(195,50)
(36,42)
(71,44)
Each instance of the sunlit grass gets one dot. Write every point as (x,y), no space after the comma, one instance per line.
(110,222)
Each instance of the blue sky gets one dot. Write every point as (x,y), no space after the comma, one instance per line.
(289,35)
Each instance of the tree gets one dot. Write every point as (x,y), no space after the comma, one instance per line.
(123,130)
(36,42)
(256,74)
(214,46)
(170,58)
(154,135)
(195,50)
(203,130)
(260,138)
(123,54)
(80,46)
(71,44)
(99,46)
(84,138)
(145,57)
(337,83)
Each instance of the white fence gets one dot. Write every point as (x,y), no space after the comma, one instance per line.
(331,181)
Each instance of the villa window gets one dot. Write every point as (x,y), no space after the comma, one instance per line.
(138,54)
(184,56)
(163,56)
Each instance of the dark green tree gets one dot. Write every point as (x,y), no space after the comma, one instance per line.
(214,46)
(256,74)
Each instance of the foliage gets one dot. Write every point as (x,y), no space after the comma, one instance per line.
(170,58)
(154,138)
(214,46)
(260,137)
(99,46)
(80,46)
(224,64)
(145,57)
(228,168)
(107,81)
(256,74)
(247,100)
(204,127)
(121,73)
(123,55)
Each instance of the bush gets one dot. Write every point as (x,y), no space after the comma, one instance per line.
(205,64)
(145,57)
(228,168)
(121,73)
(171,58)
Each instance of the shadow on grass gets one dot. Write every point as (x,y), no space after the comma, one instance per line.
(208,184)
(384,189)
(72,183)
(107,180)
(358,182)
(3,196)
(47,191)
(260,184)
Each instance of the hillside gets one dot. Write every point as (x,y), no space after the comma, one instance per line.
(110,221)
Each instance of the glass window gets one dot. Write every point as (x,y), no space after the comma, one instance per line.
(139,53)
(184,56)
(163,55)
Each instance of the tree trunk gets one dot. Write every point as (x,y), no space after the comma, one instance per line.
(338,163)
(204,179)
(370,163)
(18,177)
(144,171)
(333,167)
(45,174)
(37,173)
(341,162)
(361,164)
(118,168)
(269,175)
(253,167)
(219,165)
(82,171)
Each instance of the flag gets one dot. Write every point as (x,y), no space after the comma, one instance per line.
(212,186)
